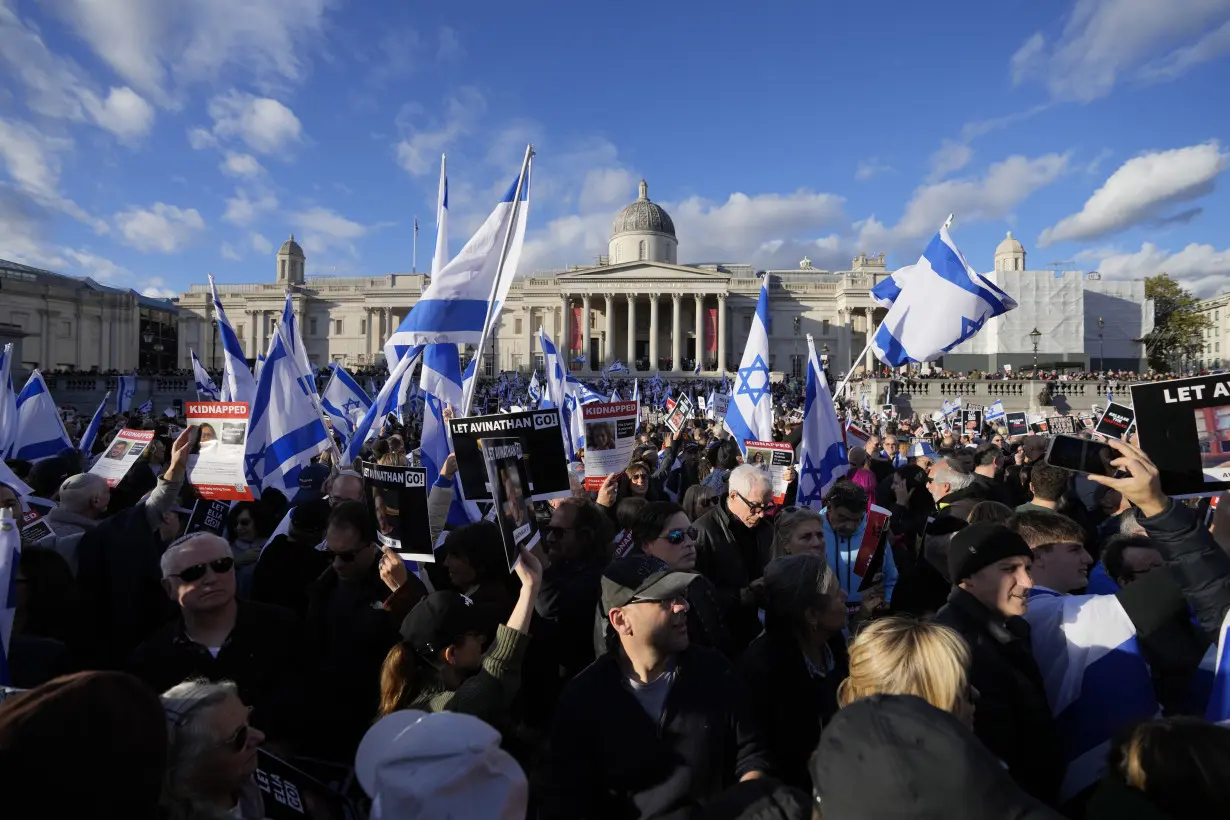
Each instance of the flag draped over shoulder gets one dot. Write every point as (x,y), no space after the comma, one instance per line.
(237,381)
(942,303)
(749,415)
(40,431)
(822,452)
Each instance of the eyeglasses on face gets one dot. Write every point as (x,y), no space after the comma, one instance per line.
(196,572)
(677,537)
(767,506)
(347,557)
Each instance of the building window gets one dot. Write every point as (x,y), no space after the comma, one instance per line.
(1217,348)
(362,327)
(747,322)
(312,326)
(824,327)
(337,326)
(796,366)
(66,330)
(282,269)
(489,367)
(538,362)
(643,250)
(517,326)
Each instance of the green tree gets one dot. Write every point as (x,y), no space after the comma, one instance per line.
(1178,329)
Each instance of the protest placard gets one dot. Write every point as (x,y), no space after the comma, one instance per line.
(397,500)
(610,435)
(34,528)
(1018,424)
(216,465)
(1183,425)
(290,793)
(1115,421)
(541,440)
(773,458)
(1062,425)
(121,454)
(208,515)
(721,403)
(504,459)
(889,411)
(971,419)
(679,414)
(856,436)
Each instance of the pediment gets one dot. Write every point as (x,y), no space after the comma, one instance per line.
(641,271)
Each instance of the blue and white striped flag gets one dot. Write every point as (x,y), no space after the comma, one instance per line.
(944,302)
(127,391)
(440,258)
(384,404)
(441,383)
(344,402)
(237,382)
(617,367)
(286,431)
(696,372)
(293,339)
(553,396)
(534,390)
(91,431)
(40,431)
(584,393)
(865,402)
(887,290)
(8,401)
(996,410)
(146,408)
(257,365)
(467,380)
(206,390)
(750,413)
(822,451)
(636,390)
(946,408)
(615,396)
(10,557)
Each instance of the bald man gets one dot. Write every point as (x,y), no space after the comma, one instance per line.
(83,503)
(217,636)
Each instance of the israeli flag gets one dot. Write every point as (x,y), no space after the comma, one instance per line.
(465,296)
(956,404)
(944,303)
(146,408)
(127,391)
(10,558)
(286,431)
(40,431)
(554,394)
(865,402)
(467,381)
(441,383)
(257,365)
(584,393)
(709,408)
(615,396)
(750,413)
(292,337)
(822,452)
(696,372)
(887,290)
(384,404)
(636,390)
(618,367)
(440,258)
(535,389)
(237,382)
(1109,397)
(1219,702)
(8,401)
(946,408)
(996,410)
(206,390)
(91,431)
(344,402)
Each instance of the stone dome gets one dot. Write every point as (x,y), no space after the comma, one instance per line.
(290,247)
(643,216)
(1009,245)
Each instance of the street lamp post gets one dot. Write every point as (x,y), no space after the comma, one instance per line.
(1101,351)
(1034,336)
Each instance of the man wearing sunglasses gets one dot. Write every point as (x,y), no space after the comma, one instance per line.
(217,636)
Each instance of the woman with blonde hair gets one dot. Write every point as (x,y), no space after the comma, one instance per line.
(904,656)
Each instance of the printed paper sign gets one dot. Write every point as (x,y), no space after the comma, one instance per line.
(888,410)
(1018,424)
(773,458)
(1183,425)
(397,499)
(542,441)
(856,437)
(679,414)
(216,465)
(721,403)
(121,454)
(971,420)
(505,460)
(1062,425)
(35,528)
(1115,421)
(610,435)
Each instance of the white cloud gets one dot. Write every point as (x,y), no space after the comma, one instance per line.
(450,46)
(606,188)
(951,157)
(32,161)
(869,168)
(242,210)
(98,268)
(241,165)
(260,244)
(265,125)
(320,229)
(200,139)
(162,228)
(155,288)
(229,252)
(1140,189)
(1104,40)
(125,113)
(1201,268)
(424,139)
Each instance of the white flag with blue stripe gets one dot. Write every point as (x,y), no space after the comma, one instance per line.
(996,410)
(10,558)
(91,431)
(146,408)
(293,338)
(946,408)
(1219,701)
(384,404)
(534,390)
(257,365)
(750,413)
(441,383)
(206,390)
(887,290)
(584,393)
(237,381)
(944,302)
(286,431)
(344,402)
(127,390)
(553,396)
(440,258)
(618,367)
(822,451)
(8,401)
(40,432)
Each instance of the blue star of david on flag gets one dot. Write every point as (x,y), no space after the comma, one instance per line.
(811,482)
(746,374)
(968,329)
(351,405)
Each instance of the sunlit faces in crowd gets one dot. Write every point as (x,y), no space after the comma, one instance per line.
(198,573)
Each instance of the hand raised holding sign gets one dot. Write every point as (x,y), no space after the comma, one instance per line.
(179,454)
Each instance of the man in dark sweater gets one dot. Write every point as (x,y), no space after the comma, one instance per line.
(654,728)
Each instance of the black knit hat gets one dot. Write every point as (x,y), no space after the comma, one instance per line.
(980,545)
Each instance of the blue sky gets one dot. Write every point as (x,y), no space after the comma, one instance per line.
(148,142)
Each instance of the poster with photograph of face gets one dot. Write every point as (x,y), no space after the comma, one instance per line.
(773,458)
(542,441)
(124,451)
(397,500)
(216,466)
(514,509)
(1183,425)
(971,420)
(610,433)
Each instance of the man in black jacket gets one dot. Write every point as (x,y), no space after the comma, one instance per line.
(654,728)
(990,565)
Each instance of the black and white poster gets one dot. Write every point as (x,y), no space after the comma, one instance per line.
(1018,424)
(505,460)
(1183,425)
(542,442)
(1062,425)
(293,794)
(397,499)
(208,515)
(1115,421)
(971,420)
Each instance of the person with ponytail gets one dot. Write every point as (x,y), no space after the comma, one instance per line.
(439,663)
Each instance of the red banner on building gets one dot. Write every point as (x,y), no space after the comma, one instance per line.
(575,342)
(711,330)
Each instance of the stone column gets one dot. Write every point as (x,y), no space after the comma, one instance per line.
(608,350)
(721,331)
(529,339)
(631,332)
(700,329)
(252,333)
(45,353)
(586,324)
(367,348)
(81,365)
(676,331)
(563,341)
(871,332)
(653,331)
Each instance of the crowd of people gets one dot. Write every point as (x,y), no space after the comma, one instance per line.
(959,630)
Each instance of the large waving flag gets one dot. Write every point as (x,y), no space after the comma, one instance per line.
(618,367)
(237,381)
(91,431)
(440,258)
(996,410)
(822,452)
(749,415)
(944,302)
(887,290)
(127,391)
(206,390)
(553,396)
(8,401)
(344,402)
(384,404)
(441,383)
(146,408)
(293,338)
(286,431)
(40,431)
(10,557)
(584,393)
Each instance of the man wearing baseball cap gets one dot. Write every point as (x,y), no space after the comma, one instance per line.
(990,568)
(656,726)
